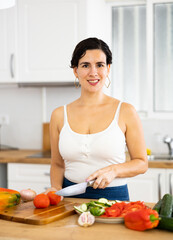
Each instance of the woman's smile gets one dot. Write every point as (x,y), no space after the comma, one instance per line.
(93,82)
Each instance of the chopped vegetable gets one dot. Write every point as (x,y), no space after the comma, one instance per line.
(84,207)
(106,208)
(97,211)
(86,219)
(103,200)
(78,209)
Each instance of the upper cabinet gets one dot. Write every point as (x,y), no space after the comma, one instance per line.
(7,45)
(48,31)
(45,33)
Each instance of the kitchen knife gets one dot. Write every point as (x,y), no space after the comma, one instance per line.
(75,189)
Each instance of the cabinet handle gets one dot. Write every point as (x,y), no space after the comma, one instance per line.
(159,186)
(11,65)
(170,184)
(47,174)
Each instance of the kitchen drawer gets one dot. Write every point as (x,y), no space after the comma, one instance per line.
(37,187)
(31,173)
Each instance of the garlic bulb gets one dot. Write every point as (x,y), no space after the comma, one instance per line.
(86,219)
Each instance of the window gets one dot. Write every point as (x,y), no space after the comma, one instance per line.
(129,54)
(142,46)
(163,57)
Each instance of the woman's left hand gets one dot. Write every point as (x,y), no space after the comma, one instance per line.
(103,177)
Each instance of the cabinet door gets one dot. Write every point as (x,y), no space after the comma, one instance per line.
(48,33)
(7,45)
(169,181)
(148,187)
(23,176)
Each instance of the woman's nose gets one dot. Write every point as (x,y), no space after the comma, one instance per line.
(93,71)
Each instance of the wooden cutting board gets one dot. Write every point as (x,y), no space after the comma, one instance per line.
(27,213)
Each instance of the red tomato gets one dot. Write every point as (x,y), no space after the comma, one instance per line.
(133,206)
(41,201)
(54,199)
(113,212)
(120,209)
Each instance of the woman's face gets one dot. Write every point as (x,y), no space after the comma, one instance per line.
(92,70)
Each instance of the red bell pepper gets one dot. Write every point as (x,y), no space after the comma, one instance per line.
(142,219)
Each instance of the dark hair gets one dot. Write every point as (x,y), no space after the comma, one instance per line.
(89,44)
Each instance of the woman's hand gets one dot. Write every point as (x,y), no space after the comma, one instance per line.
(103,177)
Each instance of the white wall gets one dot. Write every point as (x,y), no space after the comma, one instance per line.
(154,131)
(24,107)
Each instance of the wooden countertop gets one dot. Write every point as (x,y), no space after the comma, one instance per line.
(68,229)
(21,156)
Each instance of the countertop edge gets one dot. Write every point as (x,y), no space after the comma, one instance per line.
(22,156)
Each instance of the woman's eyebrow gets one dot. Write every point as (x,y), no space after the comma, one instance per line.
(84,63)
(89,63)
(101,63)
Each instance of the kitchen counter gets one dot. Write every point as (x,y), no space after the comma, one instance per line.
(68,229)
(22,156)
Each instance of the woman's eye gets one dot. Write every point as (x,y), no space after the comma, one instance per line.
(100,65)
(85,66)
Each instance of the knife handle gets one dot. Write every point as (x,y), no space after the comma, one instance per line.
(90,183)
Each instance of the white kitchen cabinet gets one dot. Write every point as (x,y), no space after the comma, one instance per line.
(48,31)
(169,181)
(7,45)
(34,176)
(152,185)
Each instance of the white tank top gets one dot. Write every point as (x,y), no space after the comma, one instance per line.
(83,154)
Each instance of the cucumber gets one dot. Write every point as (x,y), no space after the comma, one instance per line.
(110,203)
(103,200)
(166,206)
(84,207)
(157,206)
(78,209)
(165,223)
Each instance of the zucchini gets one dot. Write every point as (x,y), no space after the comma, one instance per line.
(166,206)
(165,223)
(157,206)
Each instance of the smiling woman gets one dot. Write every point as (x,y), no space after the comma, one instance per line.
(89,136)
(93,69)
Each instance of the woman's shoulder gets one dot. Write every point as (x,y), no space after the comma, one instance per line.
(128,112)
(57,117)
(127,107)
(58,111)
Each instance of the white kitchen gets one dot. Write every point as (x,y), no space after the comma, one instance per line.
(37,38)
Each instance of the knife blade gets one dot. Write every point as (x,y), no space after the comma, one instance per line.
(75,189)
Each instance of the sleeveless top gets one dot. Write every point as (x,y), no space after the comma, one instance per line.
(83,154)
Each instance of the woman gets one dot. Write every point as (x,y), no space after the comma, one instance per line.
(89,135)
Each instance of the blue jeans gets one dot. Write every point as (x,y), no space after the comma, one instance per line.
(111,193)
